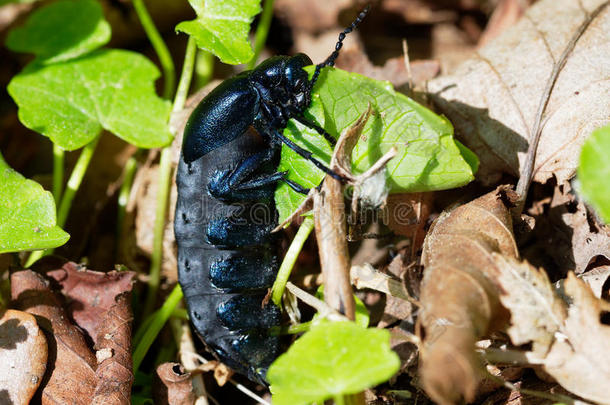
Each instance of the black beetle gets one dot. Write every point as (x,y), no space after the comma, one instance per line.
(227,256)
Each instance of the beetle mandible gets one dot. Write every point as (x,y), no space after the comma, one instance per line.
(227,256)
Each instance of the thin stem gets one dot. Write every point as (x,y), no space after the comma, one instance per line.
(261,32)
(185,76)
(204,68)
(74,182)
(128,174)
(290,259)
(165,171)
(165,58)
(58,172)
(155,326)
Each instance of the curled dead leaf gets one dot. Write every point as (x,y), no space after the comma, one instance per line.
(459,298)
(579,359)
(173,385)
(23,356)
(71,370)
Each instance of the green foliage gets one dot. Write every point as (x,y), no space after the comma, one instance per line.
(61,31)
(332,359)
(71,102)
(222,27)
(594,171)
(428,156)
(27,214)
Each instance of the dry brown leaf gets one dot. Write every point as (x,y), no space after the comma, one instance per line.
(536,310)
(23,356)
(493,98)
(71,370)
(459,300)
(506,14)
(570,344)
(173,385)
(311,16)
(90,293)
(114,370)
(580,357)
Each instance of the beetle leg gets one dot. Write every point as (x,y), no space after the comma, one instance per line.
(309,156)
(317,128)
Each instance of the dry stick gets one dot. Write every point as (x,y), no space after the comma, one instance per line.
(367,277)
(528,168)
(330,224)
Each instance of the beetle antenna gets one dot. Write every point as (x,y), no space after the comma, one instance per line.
(330,61)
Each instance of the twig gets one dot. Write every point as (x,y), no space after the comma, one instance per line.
(528,166)
(323,309)
(367,277)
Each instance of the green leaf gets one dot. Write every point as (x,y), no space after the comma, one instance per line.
(27,214)
(362,314)
(428,156)
(594,171)
(333,358)
(61,31)
(71,102)
(222,28)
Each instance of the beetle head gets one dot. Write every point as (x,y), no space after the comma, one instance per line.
(297,80)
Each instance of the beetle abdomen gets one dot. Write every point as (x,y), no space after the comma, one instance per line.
(227,260)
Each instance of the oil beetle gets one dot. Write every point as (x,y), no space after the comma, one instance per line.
(227,256)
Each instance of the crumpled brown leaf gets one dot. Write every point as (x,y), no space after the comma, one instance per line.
(75,375)
(568,337)
(536,310)
(459,299)
(493,98)
(23,356)
(71,372)
(91,294)
(173,385)
(580,362)
(114,371)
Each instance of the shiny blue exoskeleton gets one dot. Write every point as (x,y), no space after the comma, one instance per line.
(227,255)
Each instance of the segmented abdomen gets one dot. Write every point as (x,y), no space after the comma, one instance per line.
(227,260)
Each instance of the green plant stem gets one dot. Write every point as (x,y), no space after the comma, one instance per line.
(204,68)
(128,174)
(186,75)
(58,172)
(154,327)
(165,170)
(290,259)
(74,182)
(339,400)
(261,32)
(165,58)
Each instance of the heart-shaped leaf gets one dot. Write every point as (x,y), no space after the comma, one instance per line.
(428,156)
(60,31)
(73,101)
(332,359)
(27,214)
(222,27)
